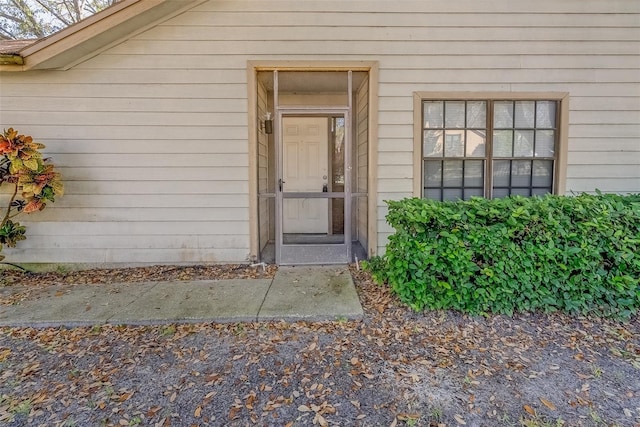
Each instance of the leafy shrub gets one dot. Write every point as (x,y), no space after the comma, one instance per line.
(575,254)
(31,179)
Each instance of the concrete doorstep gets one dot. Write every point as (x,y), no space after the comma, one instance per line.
(295,293)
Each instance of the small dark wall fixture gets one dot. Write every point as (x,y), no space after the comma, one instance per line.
(267,124)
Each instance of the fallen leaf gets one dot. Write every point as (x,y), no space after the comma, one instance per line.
(304,408)
(124,397)
(408,417)
(320,420)
(197,412)
(459,419)
(530,410)
(234,413)
(548,404)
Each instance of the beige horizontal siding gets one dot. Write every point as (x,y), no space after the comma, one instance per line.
(206,200)
(155,160)
(129,256)
(72,173)
(162,117)
(140,187)
(15,85)
(135,228)
(107,144)
(377,47)
(139,242)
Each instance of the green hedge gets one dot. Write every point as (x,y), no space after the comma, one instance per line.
(575,254)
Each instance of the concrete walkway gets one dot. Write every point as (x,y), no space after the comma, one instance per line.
(295,293)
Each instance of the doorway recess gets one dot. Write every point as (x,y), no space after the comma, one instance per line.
(313,169)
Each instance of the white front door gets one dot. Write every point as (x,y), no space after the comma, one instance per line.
(305,168)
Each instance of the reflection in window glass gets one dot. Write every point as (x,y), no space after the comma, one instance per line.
(454,143)
(433,143)
(519,147)
(476,143)
(501,173)
(452,175)
(477,114)
(520,173)
(542,174)
(523,143)
(545,142)
(502,143)
(546,114)
(473,173)
(433,174)
(503,114)
(525,114)
(454,112)
(433,114)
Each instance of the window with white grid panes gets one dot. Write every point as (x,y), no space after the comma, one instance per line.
(488,148)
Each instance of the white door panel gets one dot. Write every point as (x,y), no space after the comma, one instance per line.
(305,169)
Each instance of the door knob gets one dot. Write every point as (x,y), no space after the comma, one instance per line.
(325,188)
(280,182)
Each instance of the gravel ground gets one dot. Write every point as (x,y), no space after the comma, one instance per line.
(395,367)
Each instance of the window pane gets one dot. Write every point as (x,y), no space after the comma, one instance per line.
(452,194)
(454,143)
(476,143)
(433,194)
(542,173)
(499,193)
(526,192)
(540,191)
(523,143)
(457,142)
(525,111)
(473,192)
(502,143)
(520,173)
(503,114)
(501,172)
(432,173)
(454,114)
(545,142)
(433,143)
(546,114)
(474,173)
(477,114)
(452,173)
(433,114)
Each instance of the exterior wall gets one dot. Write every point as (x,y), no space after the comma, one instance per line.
(263,171)
(151,135)
(361,161)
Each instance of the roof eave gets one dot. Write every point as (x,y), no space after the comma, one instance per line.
(90,36)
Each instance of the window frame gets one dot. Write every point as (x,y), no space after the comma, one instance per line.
(562,126)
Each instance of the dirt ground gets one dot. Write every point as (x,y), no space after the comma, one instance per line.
(393,368)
